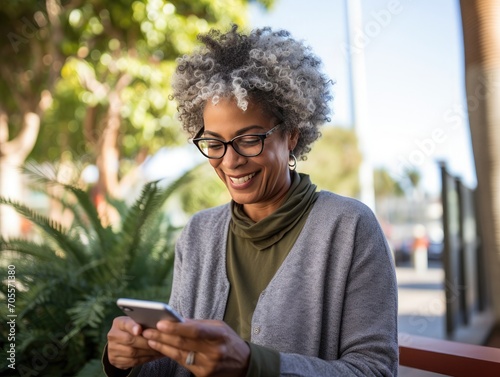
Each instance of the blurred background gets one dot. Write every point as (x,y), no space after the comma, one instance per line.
(86,124)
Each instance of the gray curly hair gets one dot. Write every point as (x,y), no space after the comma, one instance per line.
(266,67)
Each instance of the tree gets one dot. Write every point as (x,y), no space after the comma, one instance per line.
(334,161)
(411,181)
(385,185)
(29,70)
(480,20)
(95,76)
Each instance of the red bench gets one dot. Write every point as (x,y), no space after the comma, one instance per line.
(447,357)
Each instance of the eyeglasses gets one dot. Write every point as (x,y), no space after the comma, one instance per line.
(245,145)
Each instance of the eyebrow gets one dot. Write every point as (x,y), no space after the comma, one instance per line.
(239,132)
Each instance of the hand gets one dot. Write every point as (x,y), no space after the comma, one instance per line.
(126,347)
(218,350)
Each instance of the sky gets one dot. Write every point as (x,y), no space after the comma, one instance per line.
(412,99)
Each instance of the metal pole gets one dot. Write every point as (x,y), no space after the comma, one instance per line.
(356,59)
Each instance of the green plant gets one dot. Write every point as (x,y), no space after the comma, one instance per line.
(68,280)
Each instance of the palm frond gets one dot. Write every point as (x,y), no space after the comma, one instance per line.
(92,368)
(37,250)
(85,202)
(89,312)
(141,211)
(46,175)
(80,218)
(50,228)
(120,206)
(40,174)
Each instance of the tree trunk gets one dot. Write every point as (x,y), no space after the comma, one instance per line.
(481,28)
(12,154)
(108,158)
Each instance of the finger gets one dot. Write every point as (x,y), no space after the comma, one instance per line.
(127,324)
(194,336)
(170,340)
(121,337)
(124,356)
(123,332)
(129,341)
(194,329)
(119,350)
(179,355)
(198,363)
(127,362)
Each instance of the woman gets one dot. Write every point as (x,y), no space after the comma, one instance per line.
(283,280)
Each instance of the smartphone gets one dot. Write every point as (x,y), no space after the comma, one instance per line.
(148,313)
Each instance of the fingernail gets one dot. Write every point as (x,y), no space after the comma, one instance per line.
(135,330)
(164,325)
(152,343)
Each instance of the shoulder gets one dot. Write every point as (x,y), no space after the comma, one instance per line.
(336,205)
(210,217)
(346,216)
(205,225)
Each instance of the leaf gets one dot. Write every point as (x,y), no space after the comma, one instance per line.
(93,368)
(37,250)
(85,202)
(88,312)
(51,229)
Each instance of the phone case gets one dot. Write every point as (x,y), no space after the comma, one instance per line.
(148,313)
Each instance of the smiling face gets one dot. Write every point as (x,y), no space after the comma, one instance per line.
(258,183)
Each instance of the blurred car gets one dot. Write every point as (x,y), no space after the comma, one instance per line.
(403,251)
(435,251)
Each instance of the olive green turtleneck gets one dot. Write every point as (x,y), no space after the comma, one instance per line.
(255,251)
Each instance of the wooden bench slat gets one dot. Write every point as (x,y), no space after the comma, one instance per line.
(448,357)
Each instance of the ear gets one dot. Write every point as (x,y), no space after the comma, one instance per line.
(293,139)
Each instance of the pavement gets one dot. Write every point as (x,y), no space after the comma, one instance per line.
(422,302)
(422,310)
(421,305)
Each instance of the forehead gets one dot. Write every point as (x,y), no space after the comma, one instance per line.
(226,110)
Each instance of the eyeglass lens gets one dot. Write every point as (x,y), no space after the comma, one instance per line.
(246,145)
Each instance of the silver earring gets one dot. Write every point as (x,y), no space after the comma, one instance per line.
(292,161)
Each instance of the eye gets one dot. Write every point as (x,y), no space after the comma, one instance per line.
(214,145)
(248,141)
(210,144)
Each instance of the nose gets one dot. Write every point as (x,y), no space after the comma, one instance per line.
(232,159)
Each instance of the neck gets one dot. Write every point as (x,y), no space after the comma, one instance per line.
(259,211)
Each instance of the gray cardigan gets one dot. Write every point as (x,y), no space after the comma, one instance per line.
(331,308)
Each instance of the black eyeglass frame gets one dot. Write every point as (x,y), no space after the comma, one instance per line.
(262,137)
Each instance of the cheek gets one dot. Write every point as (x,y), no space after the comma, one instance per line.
(281,156)
(276,163)
(215,164)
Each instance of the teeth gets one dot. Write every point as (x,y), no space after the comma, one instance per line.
(241,180)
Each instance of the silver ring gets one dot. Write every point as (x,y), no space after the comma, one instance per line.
(190,358)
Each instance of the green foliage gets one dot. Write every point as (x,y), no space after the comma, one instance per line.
(334,160)
(79,53)
(68,279)
(413,176)
(385,185)
(206,191)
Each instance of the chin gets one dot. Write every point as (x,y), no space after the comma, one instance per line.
(241,199)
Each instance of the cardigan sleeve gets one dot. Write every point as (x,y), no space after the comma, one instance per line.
(112,371)
(264,362)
